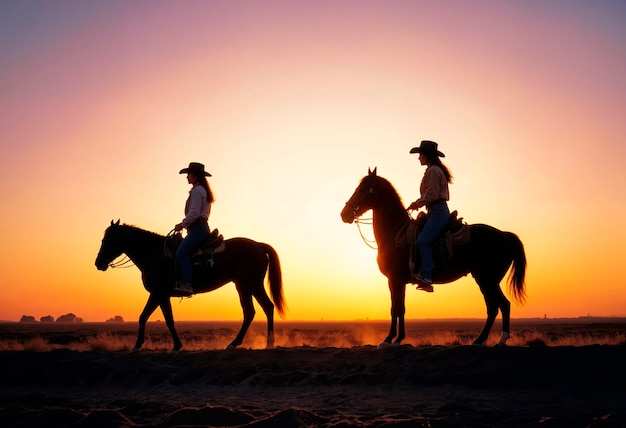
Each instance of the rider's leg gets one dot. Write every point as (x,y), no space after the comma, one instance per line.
(438,216)
(195,236)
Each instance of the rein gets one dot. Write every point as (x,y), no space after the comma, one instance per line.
(167,237)
(369,242)
(369,221)
(123,263)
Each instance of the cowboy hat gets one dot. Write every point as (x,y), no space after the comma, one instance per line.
(428,148)
(195,168)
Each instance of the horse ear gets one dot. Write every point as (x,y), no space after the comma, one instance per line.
(374,172)
(117,223)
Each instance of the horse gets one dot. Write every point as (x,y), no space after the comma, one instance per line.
(243,262)
(487,256)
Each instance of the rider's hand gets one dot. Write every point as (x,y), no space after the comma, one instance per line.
(414,206)
(178,227)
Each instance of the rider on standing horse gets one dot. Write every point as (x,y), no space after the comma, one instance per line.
(196,221)
(434,196)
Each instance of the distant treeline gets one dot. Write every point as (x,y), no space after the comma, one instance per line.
(70,317)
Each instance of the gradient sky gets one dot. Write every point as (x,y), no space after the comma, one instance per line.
(288,103)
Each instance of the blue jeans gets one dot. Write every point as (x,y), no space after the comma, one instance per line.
(438,216)
(196,234)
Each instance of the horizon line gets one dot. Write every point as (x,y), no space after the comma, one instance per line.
(83,321)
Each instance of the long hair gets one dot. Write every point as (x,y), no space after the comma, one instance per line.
(435,160)
(202,181)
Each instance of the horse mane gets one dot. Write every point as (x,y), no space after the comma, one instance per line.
(390,192)
(142,231)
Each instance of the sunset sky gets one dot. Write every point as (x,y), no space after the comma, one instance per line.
(288,103)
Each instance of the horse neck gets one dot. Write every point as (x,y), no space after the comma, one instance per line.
(142,246)
(388,216)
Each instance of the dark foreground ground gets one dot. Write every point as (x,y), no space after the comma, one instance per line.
(423,386)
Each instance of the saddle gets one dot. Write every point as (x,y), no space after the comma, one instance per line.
(204,254)
(454,233)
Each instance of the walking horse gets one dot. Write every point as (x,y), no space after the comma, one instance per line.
(243,262)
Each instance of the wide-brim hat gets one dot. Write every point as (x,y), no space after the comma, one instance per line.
(195,168)
(428,148)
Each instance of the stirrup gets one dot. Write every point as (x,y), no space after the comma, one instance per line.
(425,287)
(185,289)
(423,283)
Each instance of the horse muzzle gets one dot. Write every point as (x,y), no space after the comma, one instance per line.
(101,265)
(348,214)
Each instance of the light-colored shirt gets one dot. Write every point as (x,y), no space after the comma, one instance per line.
(196,206)
(434,186)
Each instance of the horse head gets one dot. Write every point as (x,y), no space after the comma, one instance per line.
(362,199)
(110,248)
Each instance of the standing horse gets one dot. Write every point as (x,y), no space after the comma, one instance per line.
(243,262)
(487,256)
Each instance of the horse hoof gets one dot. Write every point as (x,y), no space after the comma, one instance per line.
(503,338)
(384,345)
(396,344)
(173,351)
(135,349)
(478,344)
(500,345)
(231,347)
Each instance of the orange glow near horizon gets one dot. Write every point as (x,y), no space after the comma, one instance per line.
(288,104)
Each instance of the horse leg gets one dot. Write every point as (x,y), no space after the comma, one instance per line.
(248,316)
(398,309)
(505,310)
(392,332)
(401,334)
(492,313)
(268,308)
(397,291)
(166,309)
(151,305)
(394,319)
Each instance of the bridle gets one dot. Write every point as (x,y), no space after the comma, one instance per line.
(370,221)
(367,221)
(123,263)
(126,262)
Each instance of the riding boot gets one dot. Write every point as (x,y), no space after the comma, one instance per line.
(185,288)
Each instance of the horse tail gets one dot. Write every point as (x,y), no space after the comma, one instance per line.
(275,277)
(518,269)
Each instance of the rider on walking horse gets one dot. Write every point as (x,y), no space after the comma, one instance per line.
(196,221)
(434,195)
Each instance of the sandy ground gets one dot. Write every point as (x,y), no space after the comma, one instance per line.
(427,386)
